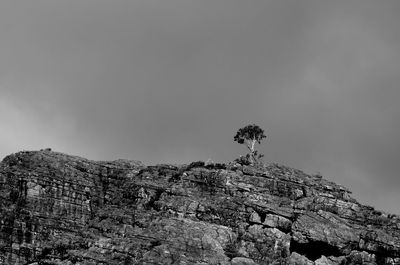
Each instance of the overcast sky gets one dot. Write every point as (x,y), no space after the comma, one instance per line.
(173,80)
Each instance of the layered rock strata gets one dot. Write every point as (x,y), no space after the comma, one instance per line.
(60,209)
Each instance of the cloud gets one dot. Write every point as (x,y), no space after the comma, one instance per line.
(23,129)
(171,81)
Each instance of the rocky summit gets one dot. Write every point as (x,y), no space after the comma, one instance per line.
(61,209)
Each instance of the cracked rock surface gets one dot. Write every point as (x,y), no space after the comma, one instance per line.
(61,209)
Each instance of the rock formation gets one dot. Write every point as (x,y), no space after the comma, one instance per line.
(61,209)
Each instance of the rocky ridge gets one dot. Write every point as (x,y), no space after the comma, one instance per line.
(61,209)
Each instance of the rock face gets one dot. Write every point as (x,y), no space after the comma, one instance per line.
(60,209)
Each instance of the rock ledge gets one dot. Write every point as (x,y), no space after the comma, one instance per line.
(61,209)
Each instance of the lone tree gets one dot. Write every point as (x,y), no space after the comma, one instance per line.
(251,134)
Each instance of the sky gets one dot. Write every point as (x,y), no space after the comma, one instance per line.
(171,81)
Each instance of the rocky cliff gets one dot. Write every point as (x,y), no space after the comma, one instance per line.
(61,209)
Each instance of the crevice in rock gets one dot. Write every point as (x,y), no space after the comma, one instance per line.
(152,204)
(313,250)
(262,215)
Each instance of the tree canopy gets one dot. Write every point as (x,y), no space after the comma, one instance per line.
(250,134)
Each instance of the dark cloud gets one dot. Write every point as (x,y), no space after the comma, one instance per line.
(172,81)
